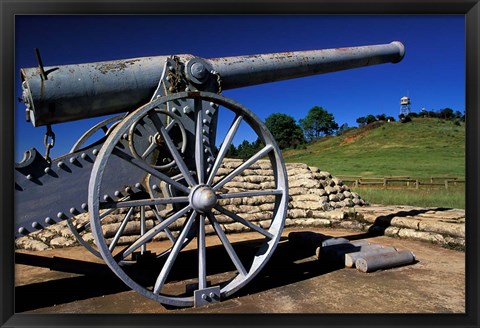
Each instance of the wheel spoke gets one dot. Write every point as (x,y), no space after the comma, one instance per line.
(170,125)
(261,153)
(143,227)
(144,202)
(125,220)
(199,157)
(162,277)
(149,150)
(241,220)
(142,165)
(226,243)
(224,148)
(101,217)
(250,194)
(173,150)
(202,269)
(160,219)
(153,232)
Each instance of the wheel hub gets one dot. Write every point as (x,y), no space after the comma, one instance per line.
(203,199)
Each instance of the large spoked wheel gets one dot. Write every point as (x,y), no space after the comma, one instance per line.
(207,189)
(82,229)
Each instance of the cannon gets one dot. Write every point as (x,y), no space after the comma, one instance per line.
(159,165)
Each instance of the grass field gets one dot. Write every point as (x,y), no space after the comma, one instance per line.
(423,148)
(429,197)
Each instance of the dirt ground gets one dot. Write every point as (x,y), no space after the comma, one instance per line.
(293,281)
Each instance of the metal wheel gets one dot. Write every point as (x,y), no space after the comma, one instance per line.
(103,125)
(204,194)
(145,140)
(82,229)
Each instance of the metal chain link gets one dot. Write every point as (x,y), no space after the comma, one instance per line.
(219,81)
(49,142)
(174,76)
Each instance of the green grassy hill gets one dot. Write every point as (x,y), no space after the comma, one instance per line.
(422,148)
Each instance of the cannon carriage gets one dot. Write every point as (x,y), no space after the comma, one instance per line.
(161,163)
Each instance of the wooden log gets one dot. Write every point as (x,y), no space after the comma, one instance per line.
(375,262)
(351,258)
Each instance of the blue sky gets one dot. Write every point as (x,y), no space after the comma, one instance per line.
(432,73)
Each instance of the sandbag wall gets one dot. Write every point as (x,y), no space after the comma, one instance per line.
(316,199)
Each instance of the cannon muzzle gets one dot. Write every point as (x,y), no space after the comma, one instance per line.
(72,92)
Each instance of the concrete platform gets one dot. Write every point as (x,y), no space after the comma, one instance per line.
(293,281)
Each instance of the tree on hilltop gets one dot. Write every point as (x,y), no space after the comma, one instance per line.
(317,123)
(285,130)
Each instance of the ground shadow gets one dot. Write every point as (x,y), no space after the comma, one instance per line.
(288,264)
(384,221)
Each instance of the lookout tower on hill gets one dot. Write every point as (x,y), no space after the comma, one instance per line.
(404,106)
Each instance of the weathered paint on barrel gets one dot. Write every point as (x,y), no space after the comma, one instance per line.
(72,92)
(244,71)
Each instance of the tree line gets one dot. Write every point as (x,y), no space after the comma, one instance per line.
(320,123)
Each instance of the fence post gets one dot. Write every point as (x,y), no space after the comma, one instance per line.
(446,184)
(416,184)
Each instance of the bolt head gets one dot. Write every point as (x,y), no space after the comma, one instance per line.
(198,71)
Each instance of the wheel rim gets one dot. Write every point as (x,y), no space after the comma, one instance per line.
(201,198)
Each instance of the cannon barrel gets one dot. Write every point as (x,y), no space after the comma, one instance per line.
(71,92)
(244,71)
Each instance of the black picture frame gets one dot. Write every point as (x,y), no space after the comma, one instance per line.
(10,8)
